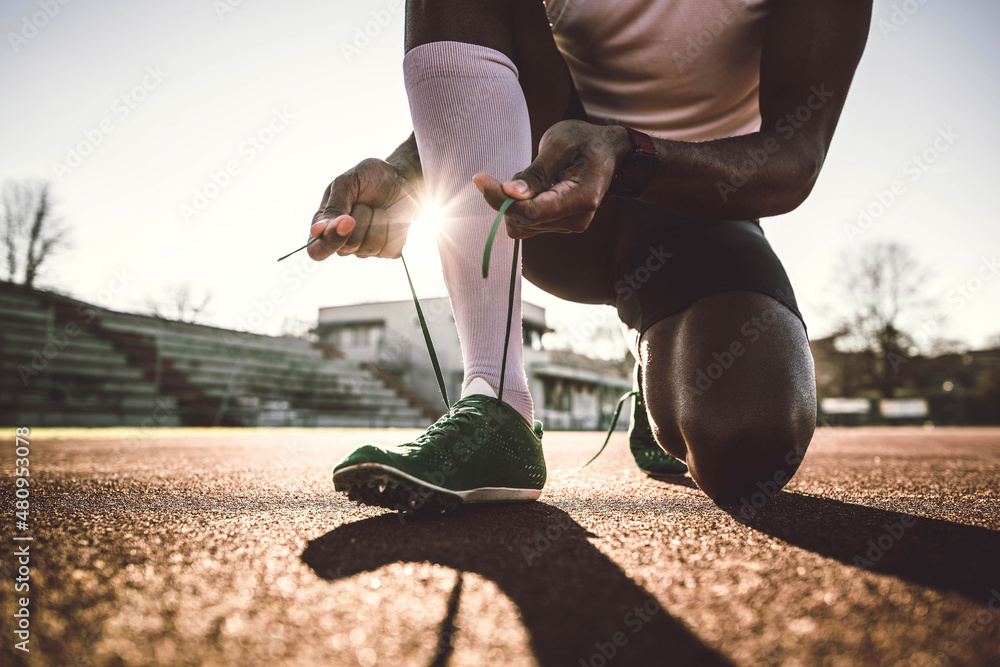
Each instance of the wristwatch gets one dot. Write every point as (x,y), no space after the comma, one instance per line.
(637,168)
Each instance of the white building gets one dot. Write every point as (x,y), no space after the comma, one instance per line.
(570,391)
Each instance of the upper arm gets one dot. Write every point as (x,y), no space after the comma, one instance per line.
(811,49)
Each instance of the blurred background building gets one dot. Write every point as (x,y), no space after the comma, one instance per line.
(66,362)
(954,388)
(571,391)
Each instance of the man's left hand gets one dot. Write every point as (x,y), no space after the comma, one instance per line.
(561,190)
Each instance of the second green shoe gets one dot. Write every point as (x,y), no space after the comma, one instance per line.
(482,450)
(648,454)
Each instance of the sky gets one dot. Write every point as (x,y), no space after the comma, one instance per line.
(189,143)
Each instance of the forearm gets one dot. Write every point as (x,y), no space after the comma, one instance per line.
(406,160)
(810,51)
(752,176)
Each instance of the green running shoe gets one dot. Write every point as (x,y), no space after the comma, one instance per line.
(648,454)
(481,451)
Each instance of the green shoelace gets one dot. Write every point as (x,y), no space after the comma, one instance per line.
(611,429)
(510,313)
(486,271)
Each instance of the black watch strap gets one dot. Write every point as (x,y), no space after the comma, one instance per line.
(637,168)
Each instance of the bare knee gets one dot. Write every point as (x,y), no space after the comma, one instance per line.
(750,461)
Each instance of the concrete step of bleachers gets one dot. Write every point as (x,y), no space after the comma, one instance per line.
(23,309)
(82,344)
(49,417)
(202,334)
(63,383)
(22,327)
(65,365)
(189,359)
(116,366)
(338,421)
(124,401)
(292,382)
(347,403)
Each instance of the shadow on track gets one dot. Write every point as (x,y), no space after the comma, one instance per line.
(935,553)
(571,596)
(676,481)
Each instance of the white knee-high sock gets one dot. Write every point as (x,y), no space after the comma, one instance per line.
(469,116)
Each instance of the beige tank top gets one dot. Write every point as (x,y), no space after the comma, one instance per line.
(676,69)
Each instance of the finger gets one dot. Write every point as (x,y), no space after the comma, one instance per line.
(396,240)
(363,214)
(566,199)
(538,176)
(572,225)
(339,197)
(377,235)
(333,220)
(406,206)
(491,190)
(333,233)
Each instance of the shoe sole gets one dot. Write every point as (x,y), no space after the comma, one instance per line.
(384,486)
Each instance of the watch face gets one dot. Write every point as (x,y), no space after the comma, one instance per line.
(633,176)
(637,168)
(642,142)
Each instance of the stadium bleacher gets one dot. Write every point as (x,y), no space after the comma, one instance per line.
(64,362)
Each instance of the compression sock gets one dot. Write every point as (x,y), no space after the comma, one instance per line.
(469,116)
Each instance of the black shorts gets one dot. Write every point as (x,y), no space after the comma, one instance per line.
(662,262)
(651,263)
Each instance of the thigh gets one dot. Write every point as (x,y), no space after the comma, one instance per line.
(576,267)
(665,263)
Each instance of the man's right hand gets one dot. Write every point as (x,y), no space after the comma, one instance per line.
(366,211)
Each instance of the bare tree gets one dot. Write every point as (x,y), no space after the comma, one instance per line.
(31,234)
(293,327)
(180,303)
(882,287)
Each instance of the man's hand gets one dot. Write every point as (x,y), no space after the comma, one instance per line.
(562,188)
(366,211)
